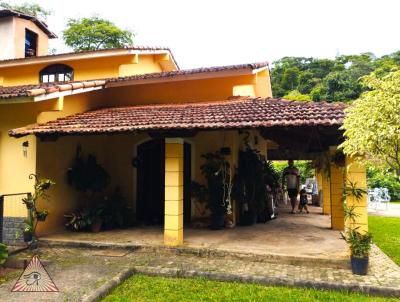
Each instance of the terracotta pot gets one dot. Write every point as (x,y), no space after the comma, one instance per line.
(96,225)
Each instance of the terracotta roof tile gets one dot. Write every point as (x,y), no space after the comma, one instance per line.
(171,74)
(42,89)
(239,112)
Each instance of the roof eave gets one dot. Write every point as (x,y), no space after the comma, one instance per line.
(78,56)
(181,77)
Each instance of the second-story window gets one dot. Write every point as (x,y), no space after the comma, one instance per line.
(56,73)
(30,43)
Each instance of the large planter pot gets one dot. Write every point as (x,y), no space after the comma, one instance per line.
(262,217)
(359,266)
(96,225)
(28,236)
(217,222)
(248,218)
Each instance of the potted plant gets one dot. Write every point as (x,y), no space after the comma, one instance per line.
(200,198)
(96,219)
(360,246)
(26,230)
(41,215)
(217,172)
(29,202)
(78,220)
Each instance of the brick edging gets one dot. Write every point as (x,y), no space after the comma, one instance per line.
(365,289)
(106,288)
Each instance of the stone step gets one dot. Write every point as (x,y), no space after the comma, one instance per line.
(206,252)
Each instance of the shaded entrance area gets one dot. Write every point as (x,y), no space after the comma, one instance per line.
(298,237)
(150,165)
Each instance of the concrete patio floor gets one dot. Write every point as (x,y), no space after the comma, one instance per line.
(299,236)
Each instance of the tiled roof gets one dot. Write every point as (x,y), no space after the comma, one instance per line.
(183,72)
(237,112)
(42,25)
(42,89)
(138,48)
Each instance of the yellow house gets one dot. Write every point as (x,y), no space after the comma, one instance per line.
(148,123)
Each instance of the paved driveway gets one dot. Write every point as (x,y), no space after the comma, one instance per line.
(393,210)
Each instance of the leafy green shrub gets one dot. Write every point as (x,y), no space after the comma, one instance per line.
(3,253)
(360,244)
(379,177)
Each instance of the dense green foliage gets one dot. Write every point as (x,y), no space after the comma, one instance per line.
(144,288)
(300,78)
(386,235)
(381,177)
(3,253)
(95,33)
(372,123)
(32,9)
(305,167)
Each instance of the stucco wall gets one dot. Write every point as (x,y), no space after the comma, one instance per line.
(183,91)
(84,69)
(7,48)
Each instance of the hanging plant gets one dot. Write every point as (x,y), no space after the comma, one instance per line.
(253,176)
(217,172)
(339,158)
(86,175)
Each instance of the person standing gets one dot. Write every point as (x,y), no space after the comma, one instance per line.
(291,178)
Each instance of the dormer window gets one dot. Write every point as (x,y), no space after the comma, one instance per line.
(56,73)
(31,39)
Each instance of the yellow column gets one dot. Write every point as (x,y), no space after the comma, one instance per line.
(337,184)
(326,193)
(357,175)
(173,220)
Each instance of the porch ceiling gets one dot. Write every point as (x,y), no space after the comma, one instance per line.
(234,113)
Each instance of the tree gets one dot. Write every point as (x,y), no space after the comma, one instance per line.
(95,33)
(32,9)
(296,95)
(372,123)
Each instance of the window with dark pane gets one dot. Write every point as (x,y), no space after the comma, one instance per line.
(56,73)
(31,39)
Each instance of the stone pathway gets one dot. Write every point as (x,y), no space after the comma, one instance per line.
(80,272)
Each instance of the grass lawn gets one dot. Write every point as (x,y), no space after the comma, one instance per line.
(143,288)
(395,201)
(386,235)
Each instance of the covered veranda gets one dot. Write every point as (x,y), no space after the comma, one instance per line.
(278,128)
(291,238)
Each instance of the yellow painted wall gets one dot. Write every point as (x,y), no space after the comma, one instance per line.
(356,174)
(263,86)
(337,184)
(182,91)
(14,207)
(326,193)
(85,69)
(173,219)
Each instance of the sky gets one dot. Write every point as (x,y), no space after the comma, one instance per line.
(223,32)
